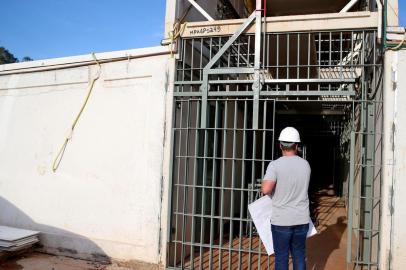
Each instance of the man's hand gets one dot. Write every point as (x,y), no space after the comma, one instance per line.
(268,186)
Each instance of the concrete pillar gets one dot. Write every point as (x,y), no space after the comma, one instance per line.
(166,170)
(393,220)
(387,163)
(398,246)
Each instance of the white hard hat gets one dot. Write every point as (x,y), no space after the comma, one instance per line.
(289,134)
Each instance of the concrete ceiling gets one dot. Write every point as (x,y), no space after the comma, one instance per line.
(299,7)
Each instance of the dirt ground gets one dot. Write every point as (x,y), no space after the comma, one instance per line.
(326,250)
(40,261)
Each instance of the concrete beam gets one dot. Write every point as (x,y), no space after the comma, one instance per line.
(314,22)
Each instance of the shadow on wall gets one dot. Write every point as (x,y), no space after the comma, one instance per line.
(63,243)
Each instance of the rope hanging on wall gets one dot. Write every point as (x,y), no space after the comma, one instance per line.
(59,156)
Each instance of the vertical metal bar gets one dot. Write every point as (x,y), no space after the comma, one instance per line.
(231,236)
(204,185)
(264,129)
(273,128)
(238,52)
(257,62)
(372,181)
(185,187)
(170,188)
(243,184)
(298,60)
(308,58)
(192,62)
(205,93)
(341,56)
(329,58)
(213,184)
(352,54)
(184,62)
(223,178)
(277,60)
(351,199)
(368,181)
(248,57)
(201,60)
(268,57)
(178,180)
(287,59)
(319,61)
(195,176)
(205,90)
(375,86)
(254,149)
(219,62)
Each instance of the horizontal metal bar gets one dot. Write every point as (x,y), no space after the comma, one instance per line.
(307,93)
(320,93)
(225,158)
(366,230)
(252,251)
(231,81)
(230,71)
(212,217)
(365,263)
(268,81)
(221,128)
(187,94)
(196,98)
(219,188)
(188,82)
(230,93)
(327,81)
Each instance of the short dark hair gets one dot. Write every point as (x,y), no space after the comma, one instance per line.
(290,147)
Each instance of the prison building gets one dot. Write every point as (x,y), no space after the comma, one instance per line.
(244,72)
(174,142)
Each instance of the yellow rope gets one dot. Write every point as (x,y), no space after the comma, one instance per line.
(61,151)
(175,34)
(399,45)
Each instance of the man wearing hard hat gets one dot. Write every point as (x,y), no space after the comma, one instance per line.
(287,181)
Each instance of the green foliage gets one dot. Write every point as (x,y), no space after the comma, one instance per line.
(26,59)
(6,57)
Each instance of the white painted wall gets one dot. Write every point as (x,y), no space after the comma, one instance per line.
(106,197)
(399,200)
(393,219)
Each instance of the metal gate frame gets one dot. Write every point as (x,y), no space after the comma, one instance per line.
(363,54)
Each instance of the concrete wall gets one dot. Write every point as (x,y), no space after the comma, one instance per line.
(398,245)
(399,200)
(393,220)
(105,200)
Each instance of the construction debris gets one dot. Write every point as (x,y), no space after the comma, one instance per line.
(13,239)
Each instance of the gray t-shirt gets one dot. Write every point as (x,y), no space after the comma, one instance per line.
(290,198)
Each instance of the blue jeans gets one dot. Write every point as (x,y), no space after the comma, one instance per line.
(293,239)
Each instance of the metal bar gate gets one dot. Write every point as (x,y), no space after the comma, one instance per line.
(227,91)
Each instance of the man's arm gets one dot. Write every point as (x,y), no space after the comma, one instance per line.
(269,182)
(268,186)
